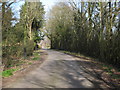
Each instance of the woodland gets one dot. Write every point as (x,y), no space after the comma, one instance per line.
(20,40)
(89,28)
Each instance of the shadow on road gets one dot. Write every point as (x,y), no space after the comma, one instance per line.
(77,76)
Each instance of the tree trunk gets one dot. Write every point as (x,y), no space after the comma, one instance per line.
(30,31)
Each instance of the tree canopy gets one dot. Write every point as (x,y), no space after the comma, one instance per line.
(90,28)
(21,39)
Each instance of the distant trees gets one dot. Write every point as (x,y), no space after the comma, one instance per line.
(59,25)
(90,28)
(20,39)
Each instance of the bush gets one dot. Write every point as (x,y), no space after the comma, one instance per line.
(20,51)
(10,53)
(29,48)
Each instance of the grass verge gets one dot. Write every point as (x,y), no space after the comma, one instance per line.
(36,56)
(21,63)
(8,72)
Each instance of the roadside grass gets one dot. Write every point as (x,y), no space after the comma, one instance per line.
(80,56)
(36,56)
(77,54)
(16,63)
(30,63)
(115,74)
(20,63)
(8,72)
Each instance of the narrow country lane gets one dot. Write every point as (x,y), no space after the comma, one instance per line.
(58,71)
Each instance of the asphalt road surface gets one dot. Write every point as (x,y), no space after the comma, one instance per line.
(59,70)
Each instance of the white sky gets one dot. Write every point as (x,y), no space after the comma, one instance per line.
(16,8)
(47,5)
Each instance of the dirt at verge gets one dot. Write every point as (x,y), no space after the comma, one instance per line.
(95,68)
(22,72)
